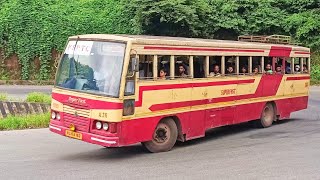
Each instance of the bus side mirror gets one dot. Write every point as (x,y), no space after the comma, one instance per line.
(134,64)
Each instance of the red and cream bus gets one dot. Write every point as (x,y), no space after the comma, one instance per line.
(118,90)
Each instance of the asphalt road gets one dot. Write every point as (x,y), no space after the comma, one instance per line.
(288,150)
(20,92)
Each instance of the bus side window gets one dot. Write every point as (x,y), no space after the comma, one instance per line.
(296,65)
(279,65)
(256,65)
(305,65)
(163,64)
(130,79)
(199,66)
(288,69)
(268,65)
(244,65)
(182,68)
(230,65)
(145,67)
(215,63)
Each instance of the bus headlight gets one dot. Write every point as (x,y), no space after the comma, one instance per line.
(58,116)
(105,126)
(53,115)
(98,125)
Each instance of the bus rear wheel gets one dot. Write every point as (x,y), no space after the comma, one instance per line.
(267,116)
(164,137)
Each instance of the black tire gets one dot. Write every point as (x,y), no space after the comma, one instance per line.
(164,137)
(267,116)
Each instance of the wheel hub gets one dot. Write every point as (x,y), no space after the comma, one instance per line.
(161,134)
(267,115)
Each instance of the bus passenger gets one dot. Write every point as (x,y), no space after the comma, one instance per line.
(244,70)
(297,69)
(278,69)
(288,68)
(182,71)
(230,70)
(141,71)
(163,74)
(305,69)
(255,70)
(268,69)
(216,71)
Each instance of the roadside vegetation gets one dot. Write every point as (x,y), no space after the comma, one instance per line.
(34,97)
(315,69)
(25,121)
(37,97)
(28,121)
(3,97)
(36,28)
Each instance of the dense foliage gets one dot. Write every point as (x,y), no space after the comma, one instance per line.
(32,28)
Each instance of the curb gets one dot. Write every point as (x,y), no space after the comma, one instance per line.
(21,108)
(25,82)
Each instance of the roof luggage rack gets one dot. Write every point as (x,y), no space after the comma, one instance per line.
(274,39)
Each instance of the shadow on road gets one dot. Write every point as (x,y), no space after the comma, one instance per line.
(218,133)
(136,150)
(284,121)
(103,154)
(225,131)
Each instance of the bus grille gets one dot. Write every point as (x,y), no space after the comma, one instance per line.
(80,112)
(80,123)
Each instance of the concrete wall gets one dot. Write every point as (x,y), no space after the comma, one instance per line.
(20,108)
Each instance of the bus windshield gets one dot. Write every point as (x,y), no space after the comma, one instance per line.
(92,66)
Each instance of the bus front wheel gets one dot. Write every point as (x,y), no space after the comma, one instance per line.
(164,136)
(267,116)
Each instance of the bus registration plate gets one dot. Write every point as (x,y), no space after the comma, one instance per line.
(73,134)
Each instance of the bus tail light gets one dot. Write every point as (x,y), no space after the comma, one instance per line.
(128,107)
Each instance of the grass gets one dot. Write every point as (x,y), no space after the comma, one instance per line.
(37,97)
(25,122)
(3,97)
(315,82)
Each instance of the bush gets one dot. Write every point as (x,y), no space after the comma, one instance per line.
(315,68)
(25,122)
(38,98)
(3,97)
(33,28)
(315,72)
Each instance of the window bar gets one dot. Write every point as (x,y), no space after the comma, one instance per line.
(172,68)
(155,67)
(191,66)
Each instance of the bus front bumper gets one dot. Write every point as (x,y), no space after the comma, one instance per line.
(87,137)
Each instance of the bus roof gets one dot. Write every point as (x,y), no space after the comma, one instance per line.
(181,41)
